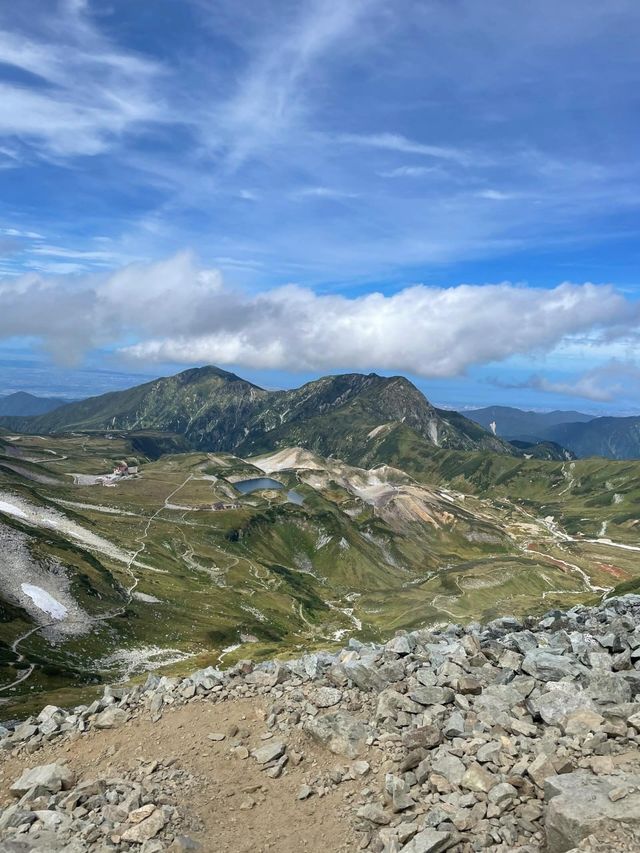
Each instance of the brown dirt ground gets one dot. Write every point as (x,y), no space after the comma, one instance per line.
(278,821)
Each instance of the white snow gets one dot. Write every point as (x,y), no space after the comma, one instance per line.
(12,509)
(149,599)
(44,601)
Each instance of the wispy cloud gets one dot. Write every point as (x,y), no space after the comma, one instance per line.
(610,381)
(272,95)
(396,142)
(82,94)
(324,192)
(411,172)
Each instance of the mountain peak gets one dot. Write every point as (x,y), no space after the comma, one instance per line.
(216,410)
(195,375)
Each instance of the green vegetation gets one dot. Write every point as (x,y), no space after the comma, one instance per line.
(210,409)
(459,536)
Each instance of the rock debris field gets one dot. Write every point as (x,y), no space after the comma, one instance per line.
(512,736)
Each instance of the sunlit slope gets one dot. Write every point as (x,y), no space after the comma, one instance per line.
(215,410)
(175,564)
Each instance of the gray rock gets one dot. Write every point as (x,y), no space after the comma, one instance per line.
(449,766)
(364,676)
(402,645)
(374,813)
(579,805)
(52,777)
(326,697)
(271,752)
(341,733)
(398,790)
(546,666)
(304,792)
(430,841)
(432,695)
(609,688)
(111,718)
(558,700)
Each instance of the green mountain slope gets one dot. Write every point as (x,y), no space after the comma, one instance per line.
(516,423)
(176,566)
(215,410)
(613,438)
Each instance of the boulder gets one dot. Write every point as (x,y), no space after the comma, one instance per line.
(326,697)
(340,732)
(546,666)
(52,777)
(580,804)
(111,718)
(146,829)
(430,841)
(557,701)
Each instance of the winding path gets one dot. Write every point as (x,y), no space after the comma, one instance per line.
(142,541)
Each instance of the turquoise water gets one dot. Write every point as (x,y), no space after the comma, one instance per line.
(256,484)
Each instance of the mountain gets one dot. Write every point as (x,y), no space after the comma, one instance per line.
(543,450)
(523,425)
(613,438)
(583,435)
(345,415)
(21,404)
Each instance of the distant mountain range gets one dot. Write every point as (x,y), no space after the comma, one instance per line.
(584,435)
(21,404)
(348,416)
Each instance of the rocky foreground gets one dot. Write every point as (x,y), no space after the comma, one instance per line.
(512,736)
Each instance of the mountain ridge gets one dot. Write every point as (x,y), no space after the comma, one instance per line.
(613,437)
(217,410)
(24,404)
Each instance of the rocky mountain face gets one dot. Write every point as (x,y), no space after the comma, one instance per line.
(517,736)
(215,410)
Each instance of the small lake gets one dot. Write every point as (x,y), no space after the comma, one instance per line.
(256,484)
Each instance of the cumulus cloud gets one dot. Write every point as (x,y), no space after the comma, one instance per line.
(174,311)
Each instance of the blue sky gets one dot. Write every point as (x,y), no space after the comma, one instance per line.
(446,189)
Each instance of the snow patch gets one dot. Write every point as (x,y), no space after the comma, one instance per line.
(148,599)
(45,602)
(11,509)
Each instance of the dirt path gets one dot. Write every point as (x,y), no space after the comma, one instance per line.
(142,541)
(217,809)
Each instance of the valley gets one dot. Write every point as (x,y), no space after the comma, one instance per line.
(204,558)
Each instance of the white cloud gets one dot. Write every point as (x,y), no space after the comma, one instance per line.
(178,312)
(602,384)
(411,172)
(272,95)
(324,192)
(88,93)
(397,142)
(495,195)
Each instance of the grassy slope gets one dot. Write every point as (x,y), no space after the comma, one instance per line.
(282,574)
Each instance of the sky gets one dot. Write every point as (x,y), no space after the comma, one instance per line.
(445,189)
